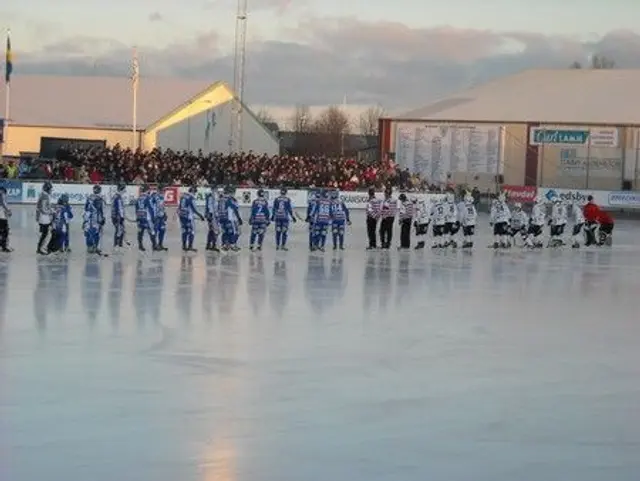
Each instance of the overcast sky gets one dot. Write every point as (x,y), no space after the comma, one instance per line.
(399,54)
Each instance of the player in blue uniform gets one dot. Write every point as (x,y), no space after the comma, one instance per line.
(259,220)
(187,212)
(211,214)
(60,233)
(321,218)
(311,207)
(159,217)
(339,220)
(94,220)
(281,213)
(229,220)
(118,216)
(144,218)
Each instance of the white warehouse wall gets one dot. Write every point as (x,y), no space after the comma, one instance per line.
(190,133)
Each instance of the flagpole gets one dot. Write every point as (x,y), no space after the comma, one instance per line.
(342,135)
(7,98)
(135,79)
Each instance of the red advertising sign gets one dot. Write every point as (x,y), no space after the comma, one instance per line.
(520,193)
(171,196)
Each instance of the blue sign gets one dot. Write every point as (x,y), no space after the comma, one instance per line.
(14,190)
(557,136)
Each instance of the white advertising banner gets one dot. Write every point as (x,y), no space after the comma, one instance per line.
(604,198)
(77,193)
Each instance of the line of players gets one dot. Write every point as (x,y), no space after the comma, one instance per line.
(325,212)
(591,225)
(221,213)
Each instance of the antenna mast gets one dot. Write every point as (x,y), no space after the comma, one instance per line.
(237,136)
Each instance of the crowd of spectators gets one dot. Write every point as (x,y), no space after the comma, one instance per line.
(116,164)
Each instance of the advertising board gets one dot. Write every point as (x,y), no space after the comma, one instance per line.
(77,193)
(14,190)
(520,193)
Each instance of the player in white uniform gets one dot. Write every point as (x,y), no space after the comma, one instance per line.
(438,221)
(536,224)
(578,224)
(467,216)
(519,223)
(451,221)
(499,219)
(421,221)
(558,222)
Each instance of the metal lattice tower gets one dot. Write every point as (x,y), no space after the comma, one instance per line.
(236,140)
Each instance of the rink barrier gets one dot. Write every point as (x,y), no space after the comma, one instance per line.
(27,193)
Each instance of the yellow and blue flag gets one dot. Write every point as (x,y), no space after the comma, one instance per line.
(8,61)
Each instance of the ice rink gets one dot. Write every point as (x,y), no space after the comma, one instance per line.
(286,366)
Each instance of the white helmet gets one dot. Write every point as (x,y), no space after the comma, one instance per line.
(450,197)
(468,198)
(517,206)
(501,197)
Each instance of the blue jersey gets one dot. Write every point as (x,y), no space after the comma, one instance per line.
(233,209)
(95,203)
(117,208)
(210,206)
(222,210)
(282,209)
(339,211)
(187,207)
(259,212)
(157,204)
(311,208)
(62,215)
(144,209)
(322,212)
(91,216)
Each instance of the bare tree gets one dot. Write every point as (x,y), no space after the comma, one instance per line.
(369,120)
(598,62)
(265,116)
(301,120)
(332,127)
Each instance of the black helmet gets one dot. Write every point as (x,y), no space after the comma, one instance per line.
(122,187)
(372,192)
(193,189)
(97,189)
(47,187)
(402,197)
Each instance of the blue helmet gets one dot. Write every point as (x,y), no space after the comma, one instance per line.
(335,194)
(47,187)
(97,189)
(64,199)
(261,193)
(283,191)
(122,187)
(193,189)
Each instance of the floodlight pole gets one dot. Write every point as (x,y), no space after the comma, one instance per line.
(236,142)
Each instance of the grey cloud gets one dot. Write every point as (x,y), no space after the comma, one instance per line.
(156,17)
(384,63)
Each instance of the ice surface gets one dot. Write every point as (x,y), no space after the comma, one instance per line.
(514,366)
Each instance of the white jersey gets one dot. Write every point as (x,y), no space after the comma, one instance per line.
(500,212)
(44,211)
(438,214)
(423,212)
(538,215)
(578,215)
(519,220)
(467,214)
(559,214)
(451,213)
(5,213)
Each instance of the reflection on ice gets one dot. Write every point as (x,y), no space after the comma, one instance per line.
(347,365)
